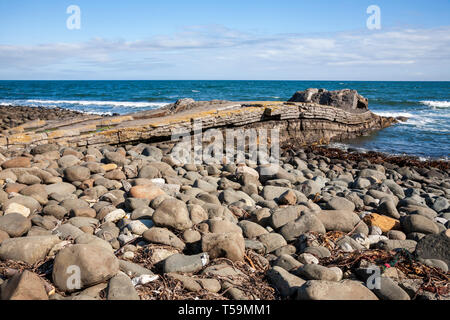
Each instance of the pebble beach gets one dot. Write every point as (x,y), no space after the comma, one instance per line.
(130,223)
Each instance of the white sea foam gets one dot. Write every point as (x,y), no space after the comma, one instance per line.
(436,104)
(416,120)
(129,104)
(393,114)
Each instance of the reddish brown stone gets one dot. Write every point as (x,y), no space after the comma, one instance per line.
(19,162)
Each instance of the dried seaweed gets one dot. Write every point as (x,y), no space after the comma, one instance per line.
(252,283)
(375,157)
(433,279)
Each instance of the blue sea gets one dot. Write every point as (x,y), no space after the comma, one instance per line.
(426,104)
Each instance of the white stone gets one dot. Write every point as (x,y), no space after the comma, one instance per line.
(115,216)
(128,255)
(307,258)
(441,220)
(17,208)
(247,170)
(158,181)
(139,226)
(346,247)
(376,238)
(145,278)
(53,251)
(125,238)
(338,272)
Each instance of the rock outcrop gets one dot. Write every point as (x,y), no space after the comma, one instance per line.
(311,116)
(345,99)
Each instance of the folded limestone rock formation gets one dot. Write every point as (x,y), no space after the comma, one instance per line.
(311,116)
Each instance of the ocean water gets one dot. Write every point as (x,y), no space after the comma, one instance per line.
(426,104)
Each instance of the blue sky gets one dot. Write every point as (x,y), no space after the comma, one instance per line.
(174,39)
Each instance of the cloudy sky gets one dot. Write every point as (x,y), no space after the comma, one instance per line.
(215,39)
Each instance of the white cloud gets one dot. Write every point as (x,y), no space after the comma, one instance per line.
(216,51)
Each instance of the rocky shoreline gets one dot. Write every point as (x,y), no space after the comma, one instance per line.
(13,116)
(130,222)
(142,227)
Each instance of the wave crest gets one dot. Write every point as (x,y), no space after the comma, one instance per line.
(436,104)
(129,104)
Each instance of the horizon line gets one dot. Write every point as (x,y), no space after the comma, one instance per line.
(305,80)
